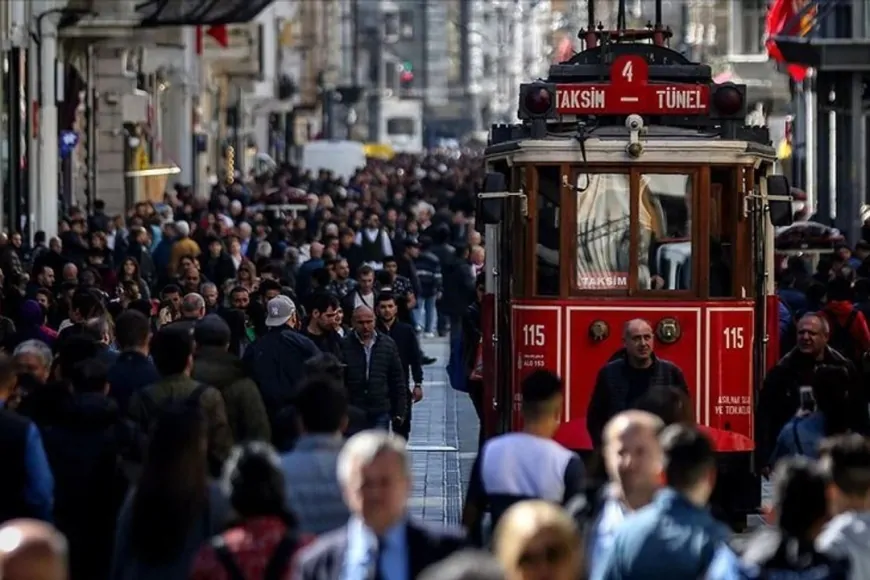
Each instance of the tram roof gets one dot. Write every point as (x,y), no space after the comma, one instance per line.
(608,146)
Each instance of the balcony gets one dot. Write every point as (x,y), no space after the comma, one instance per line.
(820,36)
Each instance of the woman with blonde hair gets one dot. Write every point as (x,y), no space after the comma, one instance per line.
(538,540)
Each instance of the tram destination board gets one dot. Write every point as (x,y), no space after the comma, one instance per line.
(629,92)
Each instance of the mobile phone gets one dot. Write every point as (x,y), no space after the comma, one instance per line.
(808,403)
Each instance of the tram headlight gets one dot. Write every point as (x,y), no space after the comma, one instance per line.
(537,100)
(668,331)
(728,101)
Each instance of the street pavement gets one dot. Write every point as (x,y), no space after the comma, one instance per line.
(443,443)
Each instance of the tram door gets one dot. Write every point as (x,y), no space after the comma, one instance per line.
(506,274)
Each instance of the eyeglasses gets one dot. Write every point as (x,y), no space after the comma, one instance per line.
(551,555)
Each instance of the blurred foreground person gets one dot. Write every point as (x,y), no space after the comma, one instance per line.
(32,550)
(786,549)
(466,565)
(536,540)
(675,536)
(380,540)
(175,508)
(262,543)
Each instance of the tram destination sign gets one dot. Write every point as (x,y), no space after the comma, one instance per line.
(629,92)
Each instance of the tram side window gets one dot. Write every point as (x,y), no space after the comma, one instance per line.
(603,231)
(664,253)
(724,201)
(547,246)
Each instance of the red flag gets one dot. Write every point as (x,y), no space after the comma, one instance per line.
(780,21)
(220,34)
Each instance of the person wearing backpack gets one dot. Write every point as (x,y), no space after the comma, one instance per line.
(262,543)
(849,334)
(172,351)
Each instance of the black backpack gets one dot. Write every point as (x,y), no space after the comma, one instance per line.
(274,568)
(841,336)
(154,408)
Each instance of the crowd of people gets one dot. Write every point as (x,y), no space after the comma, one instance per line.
(198,364)
(223,388)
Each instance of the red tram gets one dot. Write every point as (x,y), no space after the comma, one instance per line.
(632,188)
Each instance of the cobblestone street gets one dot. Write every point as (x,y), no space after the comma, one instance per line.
(443,442)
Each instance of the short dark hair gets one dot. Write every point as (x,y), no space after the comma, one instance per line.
(170,289)
(268,284)
(847,461)
(322,404)
(89,376)
(73,349)
(171,348)
(389,260)
(799,498)
(212,330)
(132,329)
(385,297)
(253,481)
(86,302)
(671,404)
(539,389)
(365,269)
(323,301)
(688,453)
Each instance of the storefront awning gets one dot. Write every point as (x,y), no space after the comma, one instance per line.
(198,12)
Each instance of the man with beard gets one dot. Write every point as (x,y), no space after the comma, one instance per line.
(342,284)
(405,338)
(321,323)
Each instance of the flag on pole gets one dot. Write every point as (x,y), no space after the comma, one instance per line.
(781,22)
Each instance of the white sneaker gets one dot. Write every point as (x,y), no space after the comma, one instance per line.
(428,335)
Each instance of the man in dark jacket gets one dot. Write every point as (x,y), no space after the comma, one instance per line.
(276,363)
(622,382)
(133,371)
(406,341)
(780,396)
(321,323)
(214,365)
(373,377)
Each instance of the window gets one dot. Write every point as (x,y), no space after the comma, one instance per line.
(603,231)
(754,16)
(547,243)
(406,24)
(664,252)
(400,126)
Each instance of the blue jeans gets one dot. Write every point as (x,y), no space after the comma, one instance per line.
(378,421)
(425,314)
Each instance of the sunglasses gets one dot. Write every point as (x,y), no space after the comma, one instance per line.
(551,555)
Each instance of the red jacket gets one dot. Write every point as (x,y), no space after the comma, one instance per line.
(837,312)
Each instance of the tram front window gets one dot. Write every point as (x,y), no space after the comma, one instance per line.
(664,252)
(547,243)
(603,231)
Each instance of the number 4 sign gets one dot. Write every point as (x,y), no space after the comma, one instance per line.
(629,70)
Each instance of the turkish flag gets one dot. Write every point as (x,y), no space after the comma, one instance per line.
(220,34)
(781,21)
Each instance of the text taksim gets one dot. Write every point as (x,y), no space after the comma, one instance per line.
(581,99)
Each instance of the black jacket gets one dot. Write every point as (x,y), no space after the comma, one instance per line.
(383,389)
(780,396)
(13,503)
(84,449)
(611,394)
(276,362)
(405,337)
(329,342)
(324,559)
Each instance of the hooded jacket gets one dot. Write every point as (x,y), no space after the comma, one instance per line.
(848,536)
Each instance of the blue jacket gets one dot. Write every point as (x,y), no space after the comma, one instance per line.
(670,538)
(130,373)
(39,490)
(800,436)
(429,274)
